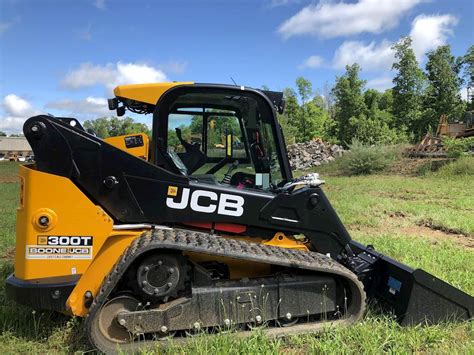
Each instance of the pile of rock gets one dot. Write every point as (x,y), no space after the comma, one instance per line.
(304,156)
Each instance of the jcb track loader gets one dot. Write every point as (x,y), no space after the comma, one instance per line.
(157,239)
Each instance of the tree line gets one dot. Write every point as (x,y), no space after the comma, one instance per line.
(403,113)
(347,110)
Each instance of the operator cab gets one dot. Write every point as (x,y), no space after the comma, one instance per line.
(219,135)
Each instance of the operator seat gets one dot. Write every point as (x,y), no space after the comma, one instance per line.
(176,159)
(193,158)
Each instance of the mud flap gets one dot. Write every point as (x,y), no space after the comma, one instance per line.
(413,296)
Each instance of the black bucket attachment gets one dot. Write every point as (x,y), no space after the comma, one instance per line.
(414,296)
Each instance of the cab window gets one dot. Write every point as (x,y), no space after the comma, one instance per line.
(223,139)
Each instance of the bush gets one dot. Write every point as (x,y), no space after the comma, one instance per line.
(461,166)
(376,130)
(430,166)
(457,147)
(364,159)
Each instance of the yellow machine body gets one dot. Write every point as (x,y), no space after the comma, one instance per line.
(122,142)
(65,211)
(146,93)
(44,252)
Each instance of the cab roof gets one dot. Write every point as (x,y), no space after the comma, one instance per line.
(147,93)
(150,93)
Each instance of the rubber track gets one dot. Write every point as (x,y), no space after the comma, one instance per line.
(204,243)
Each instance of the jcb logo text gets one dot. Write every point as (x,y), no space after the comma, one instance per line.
(207,202)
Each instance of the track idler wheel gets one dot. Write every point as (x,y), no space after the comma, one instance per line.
(106,330)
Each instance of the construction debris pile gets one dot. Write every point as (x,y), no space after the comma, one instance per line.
(432,145)
(304,156)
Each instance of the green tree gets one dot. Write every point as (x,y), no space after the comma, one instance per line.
(375,129)
(306,115)
(291,104)
(386,101)
(305,89)
(317,121)
(319,101)
(173,140)
(290,115)
(196,125)
(112,126)
(377,125)
(349,102)
(2,134)
(372,99)
(100,127)
(408,87)
(329,99)
(219,127)
(468,75)
(443,93)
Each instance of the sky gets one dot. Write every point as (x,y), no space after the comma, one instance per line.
(65,57)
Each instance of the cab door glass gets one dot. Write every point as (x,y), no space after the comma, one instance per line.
(218,130)
(190,127)
(223,137)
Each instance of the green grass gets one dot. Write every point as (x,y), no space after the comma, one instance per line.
(385,211)
(9,198)
(374,335)
(369,200)
(461,166)
(8,202)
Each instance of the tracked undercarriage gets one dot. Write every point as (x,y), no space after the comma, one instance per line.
(303,291)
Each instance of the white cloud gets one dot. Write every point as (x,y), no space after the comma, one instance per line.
(11,124)
(329,19)
(88,75)
(111,75)
(100,4)
(463,93)
(96,100)
(314,61)
(427,33)
(430,31)
(90,106)
(174,66)
(139,73)
(16,111)
(6,25)
(370,56)
(381,84)
(278,3)
(16,106)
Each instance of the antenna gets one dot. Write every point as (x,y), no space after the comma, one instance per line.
(231,78)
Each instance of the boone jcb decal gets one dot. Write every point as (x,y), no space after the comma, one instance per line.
(60,247)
